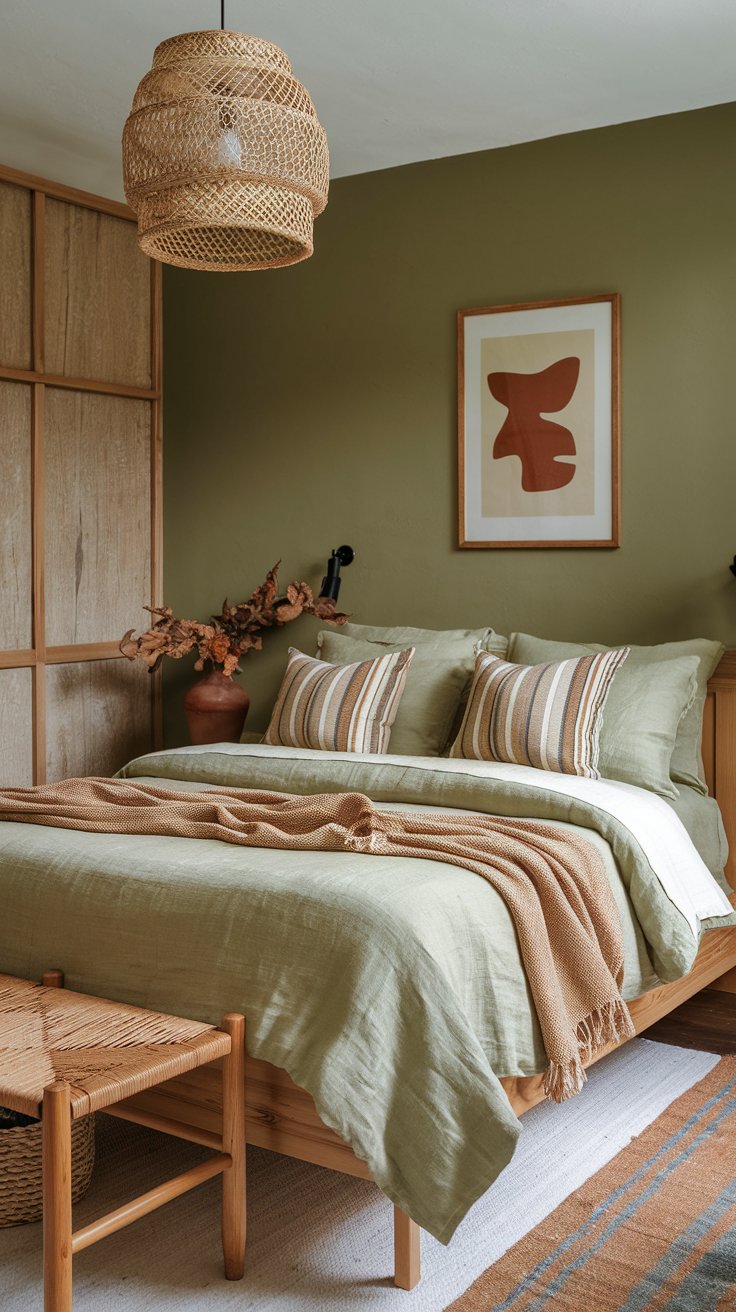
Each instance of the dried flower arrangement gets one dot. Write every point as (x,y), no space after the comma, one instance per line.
(229,635)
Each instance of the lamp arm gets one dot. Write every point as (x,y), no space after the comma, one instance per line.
(331,581)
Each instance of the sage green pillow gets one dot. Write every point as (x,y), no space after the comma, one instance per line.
(483,639)
(438,679)
(686,765)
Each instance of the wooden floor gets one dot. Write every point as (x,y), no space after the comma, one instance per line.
(707,1021)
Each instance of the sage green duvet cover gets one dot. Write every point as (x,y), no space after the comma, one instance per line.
(390,988)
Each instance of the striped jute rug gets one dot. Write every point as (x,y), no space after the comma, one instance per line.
(654,1231)
(321,1242)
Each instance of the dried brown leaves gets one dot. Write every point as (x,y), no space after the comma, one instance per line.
(229,635)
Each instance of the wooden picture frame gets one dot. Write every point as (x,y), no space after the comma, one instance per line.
(521,369)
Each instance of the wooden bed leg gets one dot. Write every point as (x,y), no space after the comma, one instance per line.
(53,979)
(233,1142)
(407,1250)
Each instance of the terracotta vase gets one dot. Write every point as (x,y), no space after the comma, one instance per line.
(216,708)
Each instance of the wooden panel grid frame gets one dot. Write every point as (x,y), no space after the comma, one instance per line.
(96,320)
(16,265)
(16,580)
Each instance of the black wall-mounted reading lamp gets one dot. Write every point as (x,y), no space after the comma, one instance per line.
(732,566)
(331,581)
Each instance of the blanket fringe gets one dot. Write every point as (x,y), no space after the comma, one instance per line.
(608,1025)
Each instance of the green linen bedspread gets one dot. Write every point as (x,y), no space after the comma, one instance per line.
(390,988)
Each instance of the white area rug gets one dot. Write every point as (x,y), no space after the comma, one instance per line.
(319,1241)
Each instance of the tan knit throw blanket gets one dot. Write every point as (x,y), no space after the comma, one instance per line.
(552,880)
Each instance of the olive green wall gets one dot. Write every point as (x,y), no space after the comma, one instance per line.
(315,405)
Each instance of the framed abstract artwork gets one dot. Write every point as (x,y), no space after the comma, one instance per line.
(538,424)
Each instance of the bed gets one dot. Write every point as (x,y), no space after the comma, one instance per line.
(434,1051)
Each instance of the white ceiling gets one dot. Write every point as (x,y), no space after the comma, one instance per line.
(393,80)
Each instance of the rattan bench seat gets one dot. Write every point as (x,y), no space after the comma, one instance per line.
(106,1051)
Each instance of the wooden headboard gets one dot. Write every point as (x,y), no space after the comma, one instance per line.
(719,749)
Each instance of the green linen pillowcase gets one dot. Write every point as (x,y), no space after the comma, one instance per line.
(686,764)
(437,681)
(480,639)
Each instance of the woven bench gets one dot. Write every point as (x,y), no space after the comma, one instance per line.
(64,1055)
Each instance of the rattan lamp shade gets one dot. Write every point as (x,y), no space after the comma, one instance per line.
(224,159)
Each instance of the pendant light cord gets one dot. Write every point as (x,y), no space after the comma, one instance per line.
(222,15)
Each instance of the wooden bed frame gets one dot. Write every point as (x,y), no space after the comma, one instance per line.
(282,1117)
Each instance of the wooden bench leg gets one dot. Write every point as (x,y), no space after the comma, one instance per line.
(233,1142)
(407,1250)
(57,1198)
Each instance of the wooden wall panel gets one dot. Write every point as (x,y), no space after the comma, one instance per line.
(98,516)
(80,479)
(98,716)
(15,266)
(16,572)
(96,297)
(16,729)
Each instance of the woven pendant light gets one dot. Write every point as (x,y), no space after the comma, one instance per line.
(224,160)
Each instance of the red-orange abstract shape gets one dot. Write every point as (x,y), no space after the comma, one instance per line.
(537,441)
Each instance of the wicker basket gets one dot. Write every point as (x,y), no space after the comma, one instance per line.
(21,1192)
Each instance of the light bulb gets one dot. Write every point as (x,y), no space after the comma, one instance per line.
(228,149)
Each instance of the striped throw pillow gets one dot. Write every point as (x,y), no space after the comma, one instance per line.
(338,708)
(548,716)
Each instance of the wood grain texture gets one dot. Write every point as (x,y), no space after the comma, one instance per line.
(38,418)
(725,769)
(23,657)
(38,218)
(98,515)
(718,749)
(57,1199)
(706,1022)
(16,576)
(98,716)
(77,384)
(708,740)
(16,265)
(407,1251)
(72,652)
(145,1203)
(726,983)
(725,674)
(81,311)
(233,1143)
(157,494)
(278,1114)
(61,191)
(38,715)
(97,297)
(16,728)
